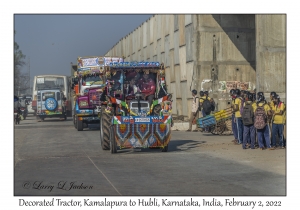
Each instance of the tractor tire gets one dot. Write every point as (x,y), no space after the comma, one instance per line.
(79,124)
(113,143)
(105,129)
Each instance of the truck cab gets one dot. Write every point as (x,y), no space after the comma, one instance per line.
(88,86)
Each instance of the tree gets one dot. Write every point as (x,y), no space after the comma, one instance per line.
(21,79)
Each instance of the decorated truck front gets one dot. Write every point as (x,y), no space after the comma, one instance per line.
(88,85)
(138,111)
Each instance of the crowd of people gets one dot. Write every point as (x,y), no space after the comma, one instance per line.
(256,123)
(267,120)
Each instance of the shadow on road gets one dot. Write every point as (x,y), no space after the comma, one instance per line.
(183,145)
(174,146)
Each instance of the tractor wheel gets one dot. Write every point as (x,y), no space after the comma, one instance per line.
(79,124)
(105,129)
(113,143)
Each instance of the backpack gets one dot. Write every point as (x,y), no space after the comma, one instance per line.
(206,105)
(260,117)
(248,114)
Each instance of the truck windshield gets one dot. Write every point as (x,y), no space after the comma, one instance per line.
(50,83)
(93,80)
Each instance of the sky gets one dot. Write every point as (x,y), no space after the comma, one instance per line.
(52,41)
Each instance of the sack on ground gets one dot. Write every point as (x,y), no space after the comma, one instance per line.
(248,115)
(260,118)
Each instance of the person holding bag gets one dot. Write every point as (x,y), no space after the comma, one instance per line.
(248,121)
(194,113)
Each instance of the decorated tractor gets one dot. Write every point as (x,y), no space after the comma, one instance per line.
(88,84)
(135,110)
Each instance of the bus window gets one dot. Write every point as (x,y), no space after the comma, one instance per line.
(50,83)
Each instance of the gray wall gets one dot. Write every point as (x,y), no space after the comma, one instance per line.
(211,52)
(271,54)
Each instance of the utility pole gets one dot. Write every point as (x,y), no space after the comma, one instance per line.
(28,72)
(29,75)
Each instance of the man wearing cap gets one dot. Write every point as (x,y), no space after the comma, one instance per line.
(277,122)
(194,113)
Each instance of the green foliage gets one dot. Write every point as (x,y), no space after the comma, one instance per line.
(18,56)
(20,79)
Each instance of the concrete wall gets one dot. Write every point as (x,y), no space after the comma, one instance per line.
(211,52)
(226,54)
(271,54)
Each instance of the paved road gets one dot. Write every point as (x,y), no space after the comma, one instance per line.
(52,158)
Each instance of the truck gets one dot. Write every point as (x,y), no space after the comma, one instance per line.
(136,109)
(87,84)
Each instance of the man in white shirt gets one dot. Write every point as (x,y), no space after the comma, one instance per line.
(194,114)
